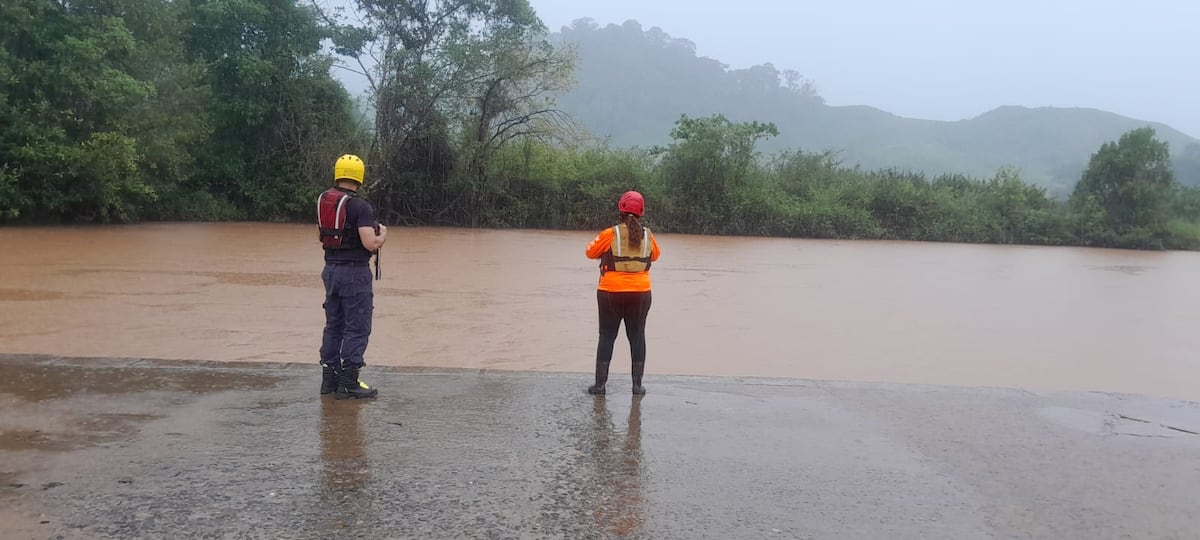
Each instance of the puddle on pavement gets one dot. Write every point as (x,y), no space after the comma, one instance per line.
(83,431)
(42,383)
(30,390)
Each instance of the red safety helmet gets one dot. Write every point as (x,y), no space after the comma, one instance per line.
(632,202)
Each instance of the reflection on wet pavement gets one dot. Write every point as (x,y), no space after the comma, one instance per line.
(620,504)
(207,450)
(344,467)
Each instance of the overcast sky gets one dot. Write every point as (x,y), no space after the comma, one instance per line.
(947,59)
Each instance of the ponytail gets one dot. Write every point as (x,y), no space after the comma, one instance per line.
(636,231)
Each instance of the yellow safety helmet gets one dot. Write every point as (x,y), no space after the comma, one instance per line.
(349,167)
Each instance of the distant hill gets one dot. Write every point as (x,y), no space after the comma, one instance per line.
(634,83)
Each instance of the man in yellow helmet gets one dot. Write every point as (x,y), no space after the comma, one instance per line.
(349,234)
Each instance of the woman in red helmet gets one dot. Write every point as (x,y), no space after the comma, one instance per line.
(625,252)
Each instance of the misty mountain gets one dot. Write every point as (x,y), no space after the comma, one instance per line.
(634,83)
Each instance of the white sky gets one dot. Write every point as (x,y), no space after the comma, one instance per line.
(947,59)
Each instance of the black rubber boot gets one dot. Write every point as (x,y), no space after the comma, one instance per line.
(601,379)
(638,369)
(349,386)
(329,380)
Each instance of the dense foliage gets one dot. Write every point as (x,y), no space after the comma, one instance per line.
(118,110)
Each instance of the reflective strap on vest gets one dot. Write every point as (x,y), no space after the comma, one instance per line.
(619,245)
(344,238)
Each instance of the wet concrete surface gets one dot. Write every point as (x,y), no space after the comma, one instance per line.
(127,448)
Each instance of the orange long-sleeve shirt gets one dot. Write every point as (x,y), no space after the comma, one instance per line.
(620,281)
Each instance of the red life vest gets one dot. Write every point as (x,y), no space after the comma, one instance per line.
(331,221)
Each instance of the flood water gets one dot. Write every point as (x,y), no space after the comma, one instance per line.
(1025,317)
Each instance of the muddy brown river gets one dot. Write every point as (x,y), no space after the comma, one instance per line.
(1026,317)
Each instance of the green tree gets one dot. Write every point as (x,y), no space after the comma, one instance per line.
(1129,183)
(278,118)
(66,99)
(1020,209)
(171,126)
(455,81)
(710,168)
(511,99)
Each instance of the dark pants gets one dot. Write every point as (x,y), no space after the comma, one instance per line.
(349,304)
(631,307)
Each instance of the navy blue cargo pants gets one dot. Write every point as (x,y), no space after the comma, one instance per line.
(349,305)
